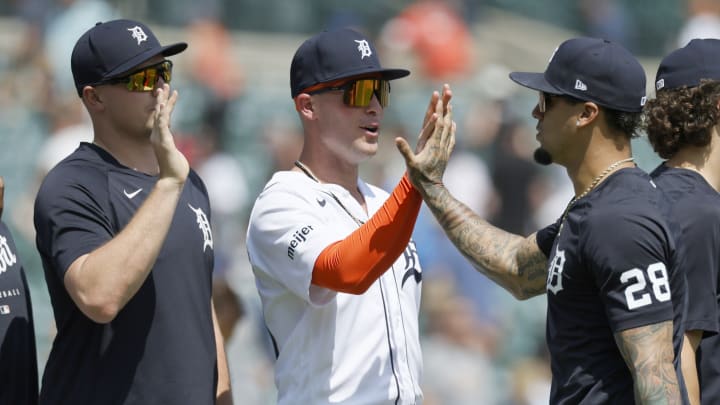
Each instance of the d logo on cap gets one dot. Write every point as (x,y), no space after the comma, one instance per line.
(138,34)
(364,48)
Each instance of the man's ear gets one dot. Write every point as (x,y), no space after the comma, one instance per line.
(304,105)
(92,98)
(588,114)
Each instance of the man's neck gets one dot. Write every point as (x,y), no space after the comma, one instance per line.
(134,153)
(330,171)
(704,160)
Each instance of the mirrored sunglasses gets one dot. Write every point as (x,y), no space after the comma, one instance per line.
(359,93)
(146,78)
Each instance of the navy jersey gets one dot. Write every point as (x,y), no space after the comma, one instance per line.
(18,359)
(160,348)
(696,207)
(611,268)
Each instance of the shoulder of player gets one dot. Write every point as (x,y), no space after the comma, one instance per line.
(624,211)
(287,191)
(72,174)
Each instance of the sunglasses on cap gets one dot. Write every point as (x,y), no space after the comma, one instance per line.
(144,79)
(359,93)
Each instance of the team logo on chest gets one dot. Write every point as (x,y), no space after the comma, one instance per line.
(204,226)
(555,270)
(411,265)
(7,258)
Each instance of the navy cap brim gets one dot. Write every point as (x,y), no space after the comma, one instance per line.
(392,74)
(139,59)
(535,81)
(387,74)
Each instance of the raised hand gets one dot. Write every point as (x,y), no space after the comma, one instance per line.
(172,162)
(427,165)
(429,113)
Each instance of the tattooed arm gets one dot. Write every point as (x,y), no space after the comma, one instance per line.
(512,261)
(648,353)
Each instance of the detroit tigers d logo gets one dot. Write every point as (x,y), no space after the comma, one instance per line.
(364,48)
(555,269)
(204,226)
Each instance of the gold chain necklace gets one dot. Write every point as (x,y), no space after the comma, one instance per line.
(592,185)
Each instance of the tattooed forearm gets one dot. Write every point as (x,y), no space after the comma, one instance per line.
(512,261)
(648,352)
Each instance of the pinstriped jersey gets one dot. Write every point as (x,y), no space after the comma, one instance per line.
(332,347)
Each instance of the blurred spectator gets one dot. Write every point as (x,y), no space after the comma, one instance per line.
(70,20)
(703,21)
(458,369)
(212,63)
(69,124)
(607,19)
(434,32)
(513,174)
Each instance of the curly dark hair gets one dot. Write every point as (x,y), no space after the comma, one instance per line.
(681,117)
(626,122)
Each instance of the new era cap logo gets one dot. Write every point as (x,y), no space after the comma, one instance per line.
(643,100)
(579,85)
(138,34)
(659,84)
(364,48)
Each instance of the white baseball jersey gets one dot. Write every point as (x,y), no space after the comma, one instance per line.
(332,347)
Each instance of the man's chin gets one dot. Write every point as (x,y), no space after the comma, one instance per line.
(542,157)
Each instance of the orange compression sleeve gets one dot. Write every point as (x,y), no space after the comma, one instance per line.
(354,263)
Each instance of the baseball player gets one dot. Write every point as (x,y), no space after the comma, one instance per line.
(18,358)
(335,268)
(682,127)
(611,280)
(123,232)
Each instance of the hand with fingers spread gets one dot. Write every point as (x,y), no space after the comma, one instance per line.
(427,165)
(430,113)
(172,162)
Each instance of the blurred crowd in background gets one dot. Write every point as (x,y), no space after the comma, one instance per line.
(236,124)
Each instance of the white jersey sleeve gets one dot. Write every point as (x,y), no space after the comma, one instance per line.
(290,225)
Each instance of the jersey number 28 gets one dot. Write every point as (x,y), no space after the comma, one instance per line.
(636,294)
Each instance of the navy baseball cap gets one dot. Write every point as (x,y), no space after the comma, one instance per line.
(685,67)
(112,48)
(594,70)
(333,55)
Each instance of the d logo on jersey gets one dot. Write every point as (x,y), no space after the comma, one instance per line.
(411,264)
(204,226)
(555,269)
